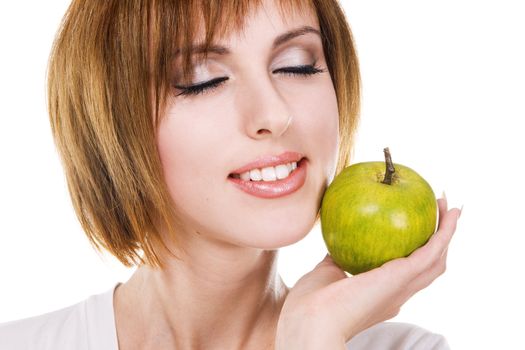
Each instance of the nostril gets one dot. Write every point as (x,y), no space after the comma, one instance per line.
(263,131)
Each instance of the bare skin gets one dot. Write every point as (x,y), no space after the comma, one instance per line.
(224,292)
(208,304)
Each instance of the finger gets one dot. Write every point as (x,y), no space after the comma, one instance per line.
(444,198)
(447,227)
(428,262)
(442,205)
(426,278)
(422,260)
(413,279)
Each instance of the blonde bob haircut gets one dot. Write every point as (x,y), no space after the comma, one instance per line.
(108,82)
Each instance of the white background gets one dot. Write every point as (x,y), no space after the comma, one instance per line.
(443,87)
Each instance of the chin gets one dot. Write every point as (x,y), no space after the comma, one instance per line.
(278,235)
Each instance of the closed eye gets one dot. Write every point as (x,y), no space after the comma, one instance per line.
(202,87)
(300,70)
(193,90)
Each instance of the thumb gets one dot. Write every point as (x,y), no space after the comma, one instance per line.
(323,274)
(326,260)
(329,270)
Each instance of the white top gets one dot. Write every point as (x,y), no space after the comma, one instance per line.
(90,325)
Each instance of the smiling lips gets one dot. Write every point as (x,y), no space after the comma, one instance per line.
(269,161)
(272,176)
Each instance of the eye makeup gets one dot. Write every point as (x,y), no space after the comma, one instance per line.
(291,62)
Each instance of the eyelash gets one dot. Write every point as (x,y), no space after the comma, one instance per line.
(207,86)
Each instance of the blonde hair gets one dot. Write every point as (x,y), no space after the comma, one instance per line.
(109,61)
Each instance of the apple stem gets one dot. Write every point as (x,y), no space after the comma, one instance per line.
(390,170)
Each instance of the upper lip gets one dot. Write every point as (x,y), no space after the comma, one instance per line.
(270,160)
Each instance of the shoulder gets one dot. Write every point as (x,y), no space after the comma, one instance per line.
(47,330)
(72,327)
(397,336)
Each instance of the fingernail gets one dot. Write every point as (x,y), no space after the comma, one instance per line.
(444,196)
(460,211)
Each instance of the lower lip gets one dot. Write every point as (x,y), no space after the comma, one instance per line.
(275,189)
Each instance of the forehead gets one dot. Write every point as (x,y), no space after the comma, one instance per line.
(256,23)
(236,19)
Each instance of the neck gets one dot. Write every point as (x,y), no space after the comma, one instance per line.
(224,297)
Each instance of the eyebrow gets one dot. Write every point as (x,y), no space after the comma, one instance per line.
(223,50)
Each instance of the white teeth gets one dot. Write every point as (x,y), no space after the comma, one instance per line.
(279,172)
(268,174)
(255,175)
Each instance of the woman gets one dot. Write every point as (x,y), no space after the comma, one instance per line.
(197,138)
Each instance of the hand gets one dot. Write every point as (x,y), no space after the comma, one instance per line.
(326,308)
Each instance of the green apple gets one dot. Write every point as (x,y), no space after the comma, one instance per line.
(370,215)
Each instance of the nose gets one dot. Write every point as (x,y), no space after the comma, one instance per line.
(266,113)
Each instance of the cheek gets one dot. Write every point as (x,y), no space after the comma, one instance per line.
(319,110)
(327,111)
(183,153)
(176,150)
(187,140)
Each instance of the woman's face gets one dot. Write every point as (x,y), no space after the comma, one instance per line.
(265,79)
